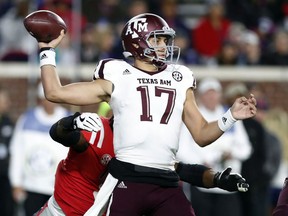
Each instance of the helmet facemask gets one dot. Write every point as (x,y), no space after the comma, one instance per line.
(172,52)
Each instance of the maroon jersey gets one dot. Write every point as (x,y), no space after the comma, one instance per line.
(80,174)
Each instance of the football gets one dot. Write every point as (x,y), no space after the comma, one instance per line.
(44,25)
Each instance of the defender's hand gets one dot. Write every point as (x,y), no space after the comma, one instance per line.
(230,181)
(88,121)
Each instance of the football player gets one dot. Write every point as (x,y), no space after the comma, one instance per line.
(79,176)
(150,98)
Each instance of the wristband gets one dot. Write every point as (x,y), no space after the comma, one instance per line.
(226,121)
(47,56)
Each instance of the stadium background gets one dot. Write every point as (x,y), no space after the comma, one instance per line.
(21,77)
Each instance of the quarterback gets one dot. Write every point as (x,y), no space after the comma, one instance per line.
(149,98)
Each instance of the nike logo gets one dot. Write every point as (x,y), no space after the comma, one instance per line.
(81,119)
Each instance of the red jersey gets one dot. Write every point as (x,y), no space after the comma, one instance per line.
(208,40)
(80,174)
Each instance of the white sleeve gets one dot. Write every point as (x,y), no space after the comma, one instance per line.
(106,69)
(17,154)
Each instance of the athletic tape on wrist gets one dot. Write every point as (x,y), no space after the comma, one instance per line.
(47,57)
(226,121)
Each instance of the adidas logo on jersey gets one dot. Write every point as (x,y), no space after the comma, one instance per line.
(43,56)
(126,71)
(121,185)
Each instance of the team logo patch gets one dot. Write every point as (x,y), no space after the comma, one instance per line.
(105,159)
(177,76)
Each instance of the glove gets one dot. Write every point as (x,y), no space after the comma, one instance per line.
(68,122)
(230,181)
(88,121)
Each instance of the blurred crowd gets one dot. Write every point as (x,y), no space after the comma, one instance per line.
(238,32)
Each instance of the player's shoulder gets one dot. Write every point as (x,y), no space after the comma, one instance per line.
(180,68)
(111,62)
(109,68)
(178,71)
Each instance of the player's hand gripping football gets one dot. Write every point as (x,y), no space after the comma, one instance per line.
(54,43)
(230,181)
(244,108)
(88,121)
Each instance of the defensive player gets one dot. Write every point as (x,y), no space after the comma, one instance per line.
(79,176)
(149,98)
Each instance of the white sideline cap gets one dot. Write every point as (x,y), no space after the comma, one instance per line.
(209,84)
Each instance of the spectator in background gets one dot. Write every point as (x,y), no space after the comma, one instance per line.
(34,155)
(229,150)
(235,33)
(6,129)
(242,11)
(250,53)
(133,8)
(168,10)
(76,23)
(65,10)
(256,201)
(88,44)
(188,55)
(265,30)
(67,55)
(277,55)
(16,44)
(136,7)
(257,15)
(250,13)
(228,54)
(276,123)
(210,33)
(105,39)
(99,42)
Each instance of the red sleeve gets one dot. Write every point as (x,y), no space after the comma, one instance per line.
(104,137)
(90,136)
